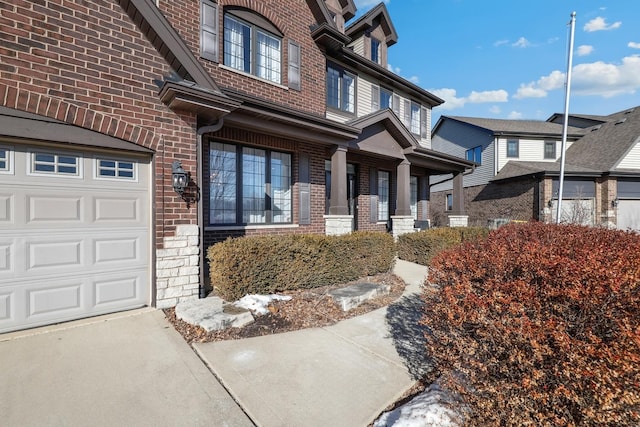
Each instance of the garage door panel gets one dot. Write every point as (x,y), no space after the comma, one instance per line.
(54,208)
(54,254)
(117,209)
(55,301)
(5,306)
(629,215)
(6,252)
(6,209)
(117,290)
(119,249)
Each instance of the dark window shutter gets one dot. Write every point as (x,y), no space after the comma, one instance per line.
(305,189)
(407,113)
(209,30)
(396,105)
(294,66)
(375,98)
(423,123)
(373,190)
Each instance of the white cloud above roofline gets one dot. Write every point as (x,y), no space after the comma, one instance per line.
(600,24)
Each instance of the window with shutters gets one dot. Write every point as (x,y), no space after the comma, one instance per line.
(341,89)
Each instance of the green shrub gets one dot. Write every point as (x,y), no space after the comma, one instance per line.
(273,263)
(422,246)
(540,325)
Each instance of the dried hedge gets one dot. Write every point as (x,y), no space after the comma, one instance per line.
(540,325)
(422,246)
(273,263)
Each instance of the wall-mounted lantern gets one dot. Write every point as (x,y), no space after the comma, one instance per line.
(179,177)
(614,203)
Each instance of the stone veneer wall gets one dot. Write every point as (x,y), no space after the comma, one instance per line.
(402,225)
(337,225)
(178,267)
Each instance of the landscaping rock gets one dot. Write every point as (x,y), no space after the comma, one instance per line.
(354,295)
(213,313)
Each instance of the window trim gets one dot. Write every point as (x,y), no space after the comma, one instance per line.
(117,160)
(385,219)
(341,72)
(378,51)
(555,148)
(239,196)
(31,164)
(517,145)
(8,159)
(255,24)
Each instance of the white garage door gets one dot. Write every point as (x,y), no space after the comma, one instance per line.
(629,215)
(74,234)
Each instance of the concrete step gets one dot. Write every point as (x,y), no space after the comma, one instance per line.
(213,314)
(354,295)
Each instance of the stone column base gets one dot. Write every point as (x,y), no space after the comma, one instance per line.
(402,225)
(178,267)
(337,225)
(458,220)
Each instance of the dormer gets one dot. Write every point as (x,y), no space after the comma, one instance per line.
(341,11)
(372,34)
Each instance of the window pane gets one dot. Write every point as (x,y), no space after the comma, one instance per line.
(413,186)
(107,164)
(268,57)
(48,158)
(348,93)
(253,186)
(386,98)
(333,88)
(512,148)
(383,195)
(45,167)
(222,192)
(449,202)
(549,150)
(281,187)
(415,118)
(237,44)
(375,51)
(107,172)
(3,164)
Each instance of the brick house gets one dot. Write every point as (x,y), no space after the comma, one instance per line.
(518,167)
(281,117)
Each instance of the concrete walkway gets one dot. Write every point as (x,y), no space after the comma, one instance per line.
(342,375)
(129,369)
(134,369)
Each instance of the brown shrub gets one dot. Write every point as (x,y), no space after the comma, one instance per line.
(540,325)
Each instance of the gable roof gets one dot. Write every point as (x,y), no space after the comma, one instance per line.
(368,20)
(515,128)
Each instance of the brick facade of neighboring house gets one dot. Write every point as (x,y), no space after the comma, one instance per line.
(102,102)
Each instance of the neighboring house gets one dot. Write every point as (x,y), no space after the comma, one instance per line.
(136,133)
(518,168)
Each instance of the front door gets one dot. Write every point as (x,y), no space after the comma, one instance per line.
(352,194)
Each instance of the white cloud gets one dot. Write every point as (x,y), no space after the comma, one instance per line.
(634,45)
(414,79)
(522,43)
(584,50)
(595,78)
(495,109)
(600,24)
(500,43)
(452,101)
(393,69)
(488,96)
(606,79)
(515,115)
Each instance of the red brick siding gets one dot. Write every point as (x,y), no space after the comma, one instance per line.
(517,200)
(86,63)
(293,18)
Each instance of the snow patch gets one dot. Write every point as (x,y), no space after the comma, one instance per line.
(259,303)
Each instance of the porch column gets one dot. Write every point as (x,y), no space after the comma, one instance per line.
(457,217)
(403,206)
(338,204)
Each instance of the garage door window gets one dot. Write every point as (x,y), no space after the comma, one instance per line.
(116,169)
(57,164)
(5,160)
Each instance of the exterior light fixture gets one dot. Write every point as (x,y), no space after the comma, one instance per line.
(179,177)
(614,203)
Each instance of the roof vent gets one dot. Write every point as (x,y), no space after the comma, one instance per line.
(621,121)
(629,111)
(595,128)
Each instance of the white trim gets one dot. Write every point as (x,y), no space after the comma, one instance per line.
(117,160)
(9,159)
(31,152)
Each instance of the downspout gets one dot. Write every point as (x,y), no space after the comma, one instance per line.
(202,291)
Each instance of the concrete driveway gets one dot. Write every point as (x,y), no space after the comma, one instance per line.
(130,369)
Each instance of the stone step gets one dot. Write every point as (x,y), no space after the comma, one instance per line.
(213,314)
(354,295)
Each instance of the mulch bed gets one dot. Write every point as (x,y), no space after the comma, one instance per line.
(308,308)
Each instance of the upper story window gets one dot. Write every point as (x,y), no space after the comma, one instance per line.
(474,154)
(341,89)
(251,49)
(549,149)
(512,148)
(375,51)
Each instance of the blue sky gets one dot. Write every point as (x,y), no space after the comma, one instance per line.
(508,59)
